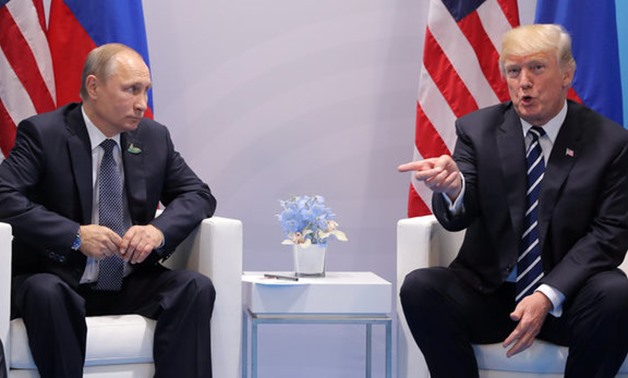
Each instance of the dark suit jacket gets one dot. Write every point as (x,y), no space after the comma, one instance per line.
(583,215)
(46,190)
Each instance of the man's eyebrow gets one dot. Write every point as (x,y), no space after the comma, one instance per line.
(140,84)
(537,60)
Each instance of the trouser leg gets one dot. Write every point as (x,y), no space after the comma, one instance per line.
(446,316)
(54,316)
(3,363)
(594,326)
(182,303)
(182,337)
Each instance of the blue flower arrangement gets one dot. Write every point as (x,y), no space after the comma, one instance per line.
(307,220)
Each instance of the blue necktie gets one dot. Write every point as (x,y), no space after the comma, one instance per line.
(110,214)
(529,266)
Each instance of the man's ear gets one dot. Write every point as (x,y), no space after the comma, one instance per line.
(568,75)
(91,84)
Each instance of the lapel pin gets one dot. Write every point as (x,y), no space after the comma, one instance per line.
(569,152)
(133,149)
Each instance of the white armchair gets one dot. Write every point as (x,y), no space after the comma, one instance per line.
(423,242)
(121,346)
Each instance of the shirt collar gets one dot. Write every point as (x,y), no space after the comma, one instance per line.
(96,137)
(552,127)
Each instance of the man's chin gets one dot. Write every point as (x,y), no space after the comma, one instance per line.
(527,112)
(132,124)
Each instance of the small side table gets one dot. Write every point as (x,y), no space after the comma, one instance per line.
(338,298)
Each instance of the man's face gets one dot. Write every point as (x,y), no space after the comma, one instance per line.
(119,101)
(537,85)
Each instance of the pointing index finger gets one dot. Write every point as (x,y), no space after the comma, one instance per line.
(419,165)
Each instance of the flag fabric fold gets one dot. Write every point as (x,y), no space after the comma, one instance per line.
(459,74)
(26,75)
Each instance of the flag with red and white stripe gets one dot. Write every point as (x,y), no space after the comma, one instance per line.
(459,74)
(26,75)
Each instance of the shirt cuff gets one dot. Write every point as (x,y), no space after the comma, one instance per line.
(456,207)
(556,297)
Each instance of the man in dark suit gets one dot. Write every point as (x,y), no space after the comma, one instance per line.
(49,193)
(579,297)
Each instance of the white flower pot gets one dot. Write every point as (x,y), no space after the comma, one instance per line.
(309,261)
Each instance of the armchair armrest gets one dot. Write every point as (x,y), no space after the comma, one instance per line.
(215,250)
(421,242)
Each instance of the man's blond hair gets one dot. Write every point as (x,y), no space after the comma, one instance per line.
(535,38)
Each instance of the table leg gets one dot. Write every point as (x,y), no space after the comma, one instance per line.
(254,348)
(389,349)
(245,343)
(369,349)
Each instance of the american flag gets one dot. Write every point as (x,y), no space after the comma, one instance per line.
(26,75)
(459,74)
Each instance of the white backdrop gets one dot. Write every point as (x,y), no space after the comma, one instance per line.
(270,98)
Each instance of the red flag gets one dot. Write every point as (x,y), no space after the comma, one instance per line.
(26,77)
(459,74)
(78,26)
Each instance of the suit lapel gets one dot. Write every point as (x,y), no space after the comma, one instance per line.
(134,174)
(79,149)
(564,154)
(511,148)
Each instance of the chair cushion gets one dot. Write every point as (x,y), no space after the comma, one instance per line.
(103,371)
(541,357)
(111,340)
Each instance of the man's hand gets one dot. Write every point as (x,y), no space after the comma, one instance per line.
(440,174)
(139,242)
(530,313)
(99,241)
